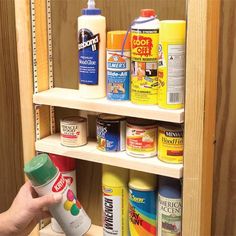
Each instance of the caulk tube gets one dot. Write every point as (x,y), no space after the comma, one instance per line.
(92,52)
(47,179)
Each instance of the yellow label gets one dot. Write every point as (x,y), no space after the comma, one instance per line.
(171,75)
(170,145)
(144,56)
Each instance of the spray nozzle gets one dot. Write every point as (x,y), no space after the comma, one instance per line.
(91,4)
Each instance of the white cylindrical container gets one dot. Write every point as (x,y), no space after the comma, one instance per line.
(92,52)
(73,131)
(67,167)
(46,179)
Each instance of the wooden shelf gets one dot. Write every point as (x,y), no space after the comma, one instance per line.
(89,152)
(70,98)
(94,231)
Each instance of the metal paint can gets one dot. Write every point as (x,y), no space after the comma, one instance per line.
(73,131)
(111,133)
(141,137)
(170,143)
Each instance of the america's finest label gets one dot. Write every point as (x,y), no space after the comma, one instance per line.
(169,216)
(88,56)
(113,210)
(142,213)
(118,75)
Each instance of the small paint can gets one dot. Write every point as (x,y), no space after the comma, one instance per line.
(111,133)
(169,207)
(170,143)
(142,204)
(73,131)
(141,137)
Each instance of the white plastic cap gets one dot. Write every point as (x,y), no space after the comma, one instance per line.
(91,4)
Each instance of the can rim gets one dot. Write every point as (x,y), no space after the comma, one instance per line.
(74,119)
(114,118)
(138,122)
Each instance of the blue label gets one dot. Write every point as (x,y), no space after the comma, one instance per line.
(88,57)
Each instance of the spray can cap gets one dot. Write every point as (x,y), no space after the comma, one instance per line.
(40,170)
(63,163)
(91,10)
(147,12)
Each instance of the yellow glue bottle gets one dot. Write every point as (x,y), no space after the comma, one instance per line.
(171,64)
(142,202)
(115,201)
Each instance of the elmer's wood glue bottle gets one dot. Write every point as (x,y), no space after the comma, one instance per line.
(47,179)
(67,167)
(115,201)
(92,52)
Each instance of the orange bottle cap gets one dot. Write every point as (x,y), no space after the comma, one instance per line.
(115,40)
(147,12)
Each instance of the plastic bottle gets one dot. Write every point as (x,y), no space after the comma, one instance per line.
(92,52)
(115,201)
(118,66)
(67,167)
(171,68)
(169,207)
(144,58)
(47,179)
(142,204)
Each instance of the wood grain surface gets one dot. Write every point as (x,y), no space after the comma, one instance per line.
(224,196)
(11,150)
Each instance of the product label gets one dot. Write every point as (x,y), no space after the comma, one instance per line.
(118,75)
(144,65)
(169,216)
(171,75)
(59,185)
(170,145)
(141,141)
(88,57)
(142,213)
(113,210)
(110,136)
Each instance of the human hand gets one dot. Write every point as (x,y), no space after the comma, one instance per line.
(26,211)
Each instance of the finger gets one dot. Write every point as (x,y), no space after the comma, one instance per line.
(45,201)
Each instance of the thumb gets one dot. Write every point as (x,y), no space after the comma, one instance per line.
(46,200)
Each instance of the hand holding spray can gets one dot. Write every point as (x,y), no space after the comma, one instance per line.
(46,179)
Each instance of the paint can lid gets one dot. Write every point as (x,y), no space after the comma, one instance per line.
(147,12)
(40,170)
(63,163)
(114,177)
(142,181)
(169,187)
(115,40)
(172,30)
(110,118)
(141,122)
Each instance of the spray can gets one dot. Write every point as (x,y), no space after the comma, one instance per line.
(67,167)
(144,58)
(92,52)
(115,201)
(171,64)
(118,66)
(46,179)
(169,207)
(142,204)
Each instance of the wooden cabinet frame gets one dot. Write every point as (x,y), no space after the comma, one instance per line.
(200,107)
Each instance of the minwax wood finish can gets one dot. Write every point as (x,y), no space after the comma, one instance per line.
(47,179)
(142,204)
(170,145)
(141,138)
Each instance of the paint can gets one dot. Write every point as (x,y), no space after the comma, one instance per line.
(67,167)
(118,66)
(141,138)
(111,133)
(142,204)
(115,200)
(73,131)
(169,207)
(170,146)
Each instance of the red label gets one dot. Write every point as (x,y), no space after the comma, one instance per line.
(143,44)
(69,180)
(59,185)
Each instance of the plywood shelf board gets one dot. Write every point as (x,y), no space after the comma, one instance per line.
(70,98)
(94,231)
(89,152)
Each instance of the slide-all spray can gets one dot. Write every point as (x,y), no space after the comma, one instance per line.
(142,204)
(115,201)
(47,179)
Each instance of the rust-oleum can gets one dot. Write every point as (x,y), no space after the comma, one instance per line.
(111,133)
(47,179)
